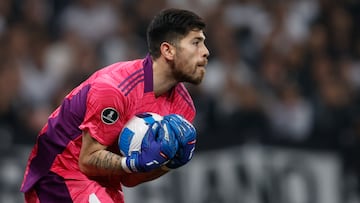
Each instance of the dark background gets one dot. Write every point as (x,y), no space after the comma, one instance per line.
(282,73)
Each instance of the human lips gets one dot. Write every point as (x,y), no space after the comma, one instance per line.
(203,64)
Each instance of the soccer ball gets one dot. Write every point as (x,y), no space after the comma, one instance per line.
(132,134)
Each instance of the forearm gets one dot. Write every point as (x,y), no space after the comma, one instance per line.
(102,163)
(133,179)
(106,163)
(96,160)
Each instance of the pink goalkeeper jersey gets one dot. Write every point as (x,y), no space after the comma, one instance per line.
(101,105)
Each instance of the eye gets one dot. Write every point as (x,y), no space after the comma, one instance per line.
(196,43)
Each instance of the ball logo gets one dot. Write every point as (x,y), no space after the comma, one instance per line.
(109,116)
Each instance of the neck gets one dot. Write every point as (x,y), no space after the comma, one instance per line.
(163,79)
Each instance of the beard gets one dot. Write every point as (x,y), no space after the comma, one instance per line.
(181,75)
(180,71)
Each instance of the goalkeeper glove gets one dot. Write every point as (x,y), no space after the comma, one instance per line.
(158,146)
(185,133)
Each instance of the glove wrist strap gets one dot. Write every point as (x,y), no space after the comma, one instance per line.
(124,165)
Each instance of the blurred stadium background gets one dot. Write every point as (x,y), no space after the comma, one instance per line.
(278,113)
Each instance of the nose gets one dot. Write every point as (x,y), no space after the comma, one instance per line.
(206,52)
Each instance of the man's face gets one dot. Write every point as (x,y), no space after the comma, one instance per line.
(191,58)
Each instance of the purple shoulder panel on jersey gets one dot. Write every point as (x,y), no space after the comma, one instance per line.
(144,74)
(130,79)
(148,70)
(61,130)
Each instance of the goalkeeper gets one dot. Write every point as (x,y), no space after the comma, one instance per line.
(76,156)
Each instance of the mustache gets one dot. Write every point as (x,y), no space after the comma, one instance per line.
(203,63)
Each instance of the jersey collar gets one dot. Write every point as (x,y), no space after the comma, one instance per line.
(148,74)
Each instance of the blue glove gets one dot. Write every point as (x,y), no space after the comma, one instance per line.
(186,135)
(170,144)
(158,146)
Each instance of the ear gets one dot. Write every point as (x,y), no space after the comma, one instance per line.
(167,50)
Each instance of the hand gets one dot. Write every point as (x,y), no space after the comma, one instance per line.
(170,144)
(185,133)
(159,145)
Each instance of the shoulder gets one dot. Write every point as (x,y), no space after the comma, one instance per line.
(114,83)
(121,70)
(131,77)
(118,75)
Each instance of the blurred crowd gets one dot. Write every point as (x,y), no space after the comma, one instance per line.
(281,72)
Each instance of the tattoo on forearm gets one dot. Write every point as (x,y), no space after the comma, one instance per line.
(105,162)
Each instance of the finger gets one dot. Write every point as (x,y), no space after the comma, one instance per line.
(173,118)
(166,130)
(151,134)
(187,126)
(175,127)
